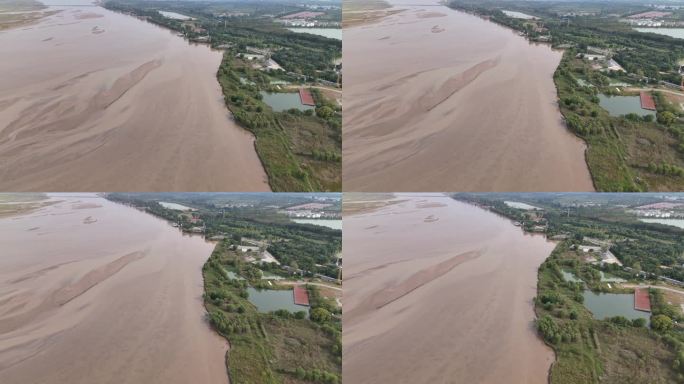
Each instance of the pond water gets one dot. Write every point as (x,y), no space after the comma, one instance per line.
(267,300)
(672,32)
(270,276)
(245,81)
(673,222)
(233,275)
(334,224)
(280,102)
(175,206)
(264,276)
(611,278)
(603,305)
(517,205)
(174,15)
(331,33)
(623,105)
(569,276)
(518,15)
(584,83)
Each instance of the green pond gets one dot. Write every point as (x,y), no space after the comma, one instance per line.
(270,276)
(233,275)
(610,278)
(267,300)
(264,276)
(280,102)
(603,305)
(584,83)
(569,276)
(623,105)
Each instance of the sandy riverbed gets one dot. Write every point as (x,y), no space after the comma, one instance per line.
(437,291)
(92,100)
(94,292)
(437,99)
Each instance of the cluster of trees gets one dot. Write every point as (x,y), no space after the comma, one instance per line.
(647,253)
(317,376)
(327,314)
(256,346)
(229,324)
(666,169)
(622,321)
(557,332)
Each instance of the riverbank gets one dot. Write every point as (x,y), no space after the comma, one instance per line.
(21,13)
(269,347)
(389,93)
(357,12)
(299,149)
(590,350)
(12,204)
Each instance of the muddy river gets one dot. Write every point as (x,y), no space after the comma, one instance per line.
(438,291)
(456,102)
(93,100)
(96,292)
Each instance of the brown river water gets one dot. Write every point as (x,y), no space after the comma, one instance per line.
(96,292)
(438,291)
(455,102)
(93,100)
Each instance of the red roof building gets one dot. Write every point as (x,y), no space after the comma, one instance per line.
(301,296)
(647,101)
(306,97)
(642,301)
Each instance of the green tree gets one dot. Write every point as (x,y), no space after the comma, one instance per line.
(666,118)
(324,112)
(320,315)
(661,323)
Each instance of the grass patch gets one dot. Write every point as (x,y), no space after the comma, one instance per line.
(625,153)
(266,348)
(588,350)
(300,151)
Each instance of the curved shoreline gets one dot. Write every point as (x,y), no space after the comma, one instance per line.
(198,145)
(453,133)
(480,291)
